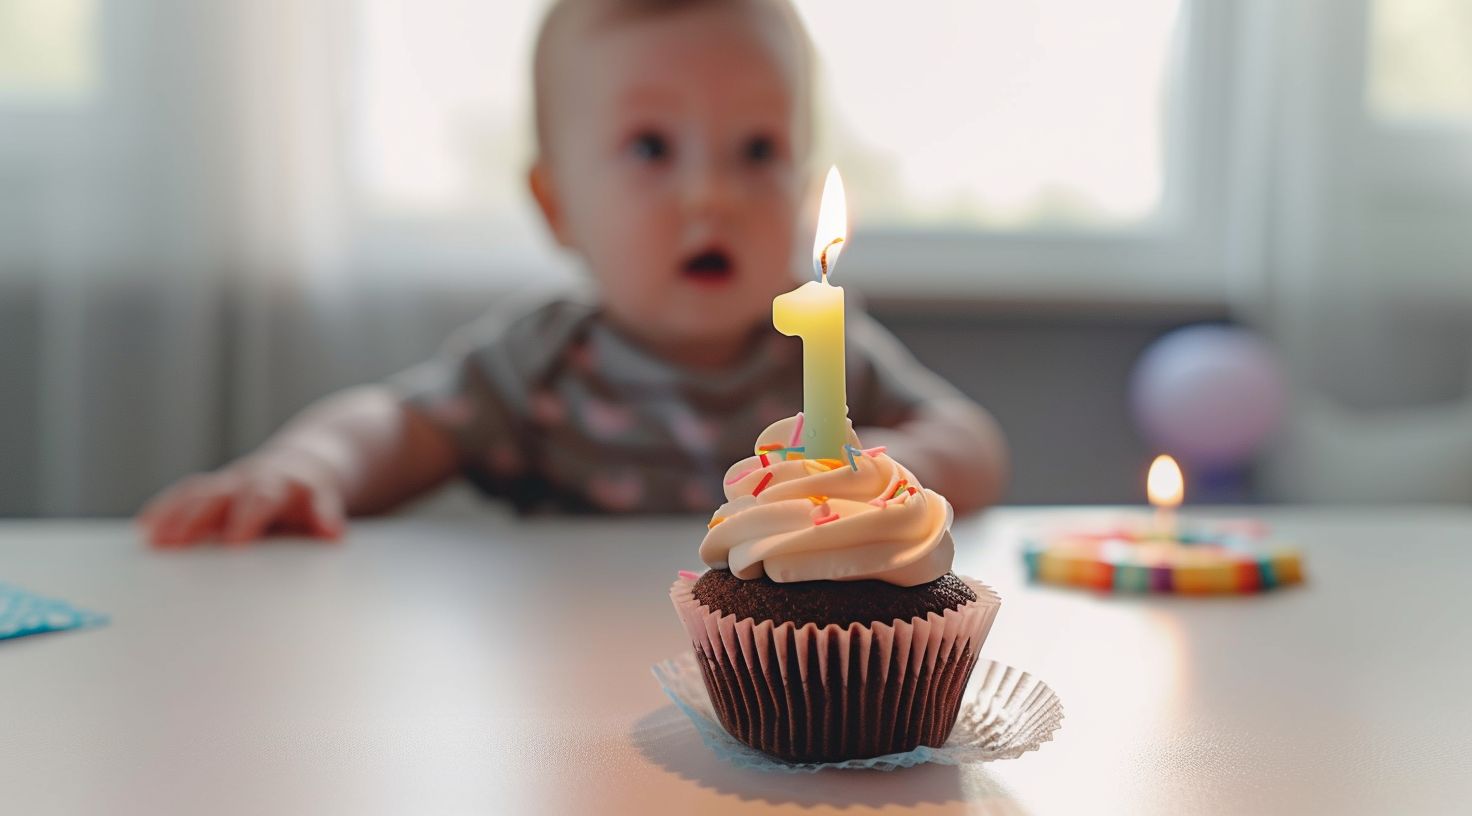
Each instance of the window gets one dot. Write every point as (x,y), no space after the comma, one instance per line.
(980,113)
(1420,61)
(442,104)
(46,50)
(1037,142)
(1411,160)
(967,125)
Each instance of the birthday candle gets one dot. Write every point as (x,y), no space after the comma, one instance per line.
(814,312)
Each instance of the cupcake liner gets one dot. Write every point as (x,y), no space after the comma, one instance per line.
(811,694)
(1007,713)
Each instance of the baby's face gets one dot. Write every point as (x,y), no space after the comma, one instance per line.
(677,147)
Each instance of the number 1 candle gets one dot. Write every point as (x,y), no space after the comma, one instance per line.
(814,312)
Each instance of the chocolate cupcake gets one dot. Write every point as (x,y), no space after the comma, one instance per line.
(824,602)
(830,626)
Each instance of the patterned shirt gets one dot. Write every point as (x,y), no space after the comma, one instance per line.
(550,406)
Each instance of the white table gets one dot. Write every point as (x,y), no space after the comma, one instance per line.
(471,663)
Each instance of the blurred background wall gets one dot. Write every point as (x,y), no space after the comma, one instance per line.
(211,214)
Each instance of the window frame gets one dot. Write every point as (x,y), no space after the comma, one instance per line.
(1174,258)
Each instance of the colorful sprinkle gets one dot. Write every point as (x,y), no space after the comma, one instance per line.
(913,491)
(875,451)
(817,499)
(825,519)
(714,522)
(762,485)
(849,450)
(775,446)
(899,488)
(688,575)
(831,464)
(765,461)
(744,474)
(796,431)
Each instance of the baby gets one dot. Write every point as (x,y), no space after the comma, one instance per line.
(673,145)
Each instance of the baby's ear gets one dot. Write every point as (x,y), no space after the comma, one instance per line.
(539,179)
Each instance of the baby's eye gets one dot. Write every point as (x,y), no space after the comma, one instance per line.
(760,149)
(650,147)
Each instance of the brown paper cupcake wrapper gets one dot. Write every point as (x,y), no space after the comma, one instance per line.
(810,694)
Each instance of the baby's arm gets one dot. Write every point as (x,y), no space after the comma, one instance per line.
(954,447)
(356,452)
(951,444)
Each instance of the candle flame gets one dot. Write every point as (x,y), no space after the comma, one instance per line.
(1165,485)
(832,225)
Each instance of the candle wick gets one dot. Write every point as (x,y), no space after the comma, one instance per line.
(823,258)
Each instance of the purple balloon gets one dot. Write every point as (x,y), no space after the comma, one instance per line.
(1210,395)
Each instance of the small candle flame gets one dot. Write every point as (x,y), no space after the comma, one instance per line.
(1165,485)
(832,225)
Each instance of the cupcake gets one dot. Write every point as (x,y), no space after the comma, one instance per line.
(830,625)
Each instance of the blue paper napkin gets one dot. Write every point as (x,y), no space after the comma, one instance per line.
(22,613)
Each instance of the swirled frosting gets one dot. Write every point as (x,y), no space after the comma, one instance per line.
(797,519)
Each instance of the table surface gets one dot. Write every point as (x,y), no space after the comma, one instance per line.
(468,662)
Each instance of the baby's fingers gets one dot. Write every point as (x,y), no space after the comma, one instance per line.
(312,508)
(196,517)
(171,500)
(326,514)
(251,513)
(163,516)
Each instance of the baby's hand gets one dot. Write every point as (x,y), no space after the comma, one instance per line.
(270,491)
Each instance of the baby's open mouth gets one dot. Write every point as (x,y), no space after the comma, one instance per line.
(709,266)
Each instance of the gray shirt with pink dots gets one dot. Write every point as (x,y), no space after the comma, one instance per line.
(552,407)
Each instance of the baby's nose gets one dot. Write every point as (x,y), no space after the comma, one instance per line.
(709,189)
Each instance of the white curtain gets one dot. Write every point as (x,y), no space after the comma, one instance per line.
(122,270)
(177,266)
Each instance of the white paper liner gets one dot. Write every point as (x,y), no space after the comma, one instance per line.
(802,710)
(1007,712)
